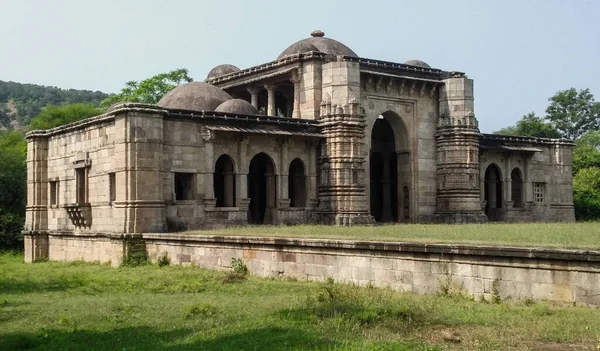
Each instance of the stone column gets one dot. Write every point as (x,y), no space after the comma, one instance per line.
(296,76)
(242,175)
(271,206)
(209,190)
(253,96)
(271,111)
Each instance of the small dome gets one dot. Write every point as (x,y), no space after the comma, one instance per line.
(221,70)
(237,106)
(417,63)
(322,44)
(195,96)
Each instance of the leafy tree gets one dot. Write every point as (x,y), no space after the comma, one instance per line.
(13,174)
(531,125)
(149,90)
(54,116)
(586,193)
(586,153)
(574,113)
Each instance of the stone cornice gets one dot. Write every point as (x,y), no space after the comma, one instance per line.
(525,139)
(108,116)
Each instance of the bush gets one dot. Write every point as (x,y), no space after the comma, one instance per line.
(10,231)
(586,194)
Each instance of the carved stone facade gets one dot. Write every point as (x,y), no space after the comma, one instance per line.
(319,135)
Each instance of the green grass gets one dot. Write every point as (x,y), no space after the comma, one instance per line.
(564,235)
(82,306)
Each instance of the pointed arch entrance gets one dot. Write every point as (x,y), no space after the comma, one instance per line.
(262,187)
(493,193)
(390,170)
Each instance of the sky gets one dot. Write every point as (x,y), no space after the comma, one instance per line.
(519,52)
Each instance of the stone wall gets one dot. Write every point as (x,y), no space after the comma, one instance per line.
(515,272)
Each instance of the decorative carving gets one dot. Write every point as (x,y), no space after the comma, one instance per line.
(401,87)
(423,87)
(80,214)
(432,90)
(389,86)
(208,135)
(413,86)
(370,84)
(379,84)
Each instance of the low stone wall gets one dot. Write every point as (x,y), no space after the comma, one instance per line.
(516,272)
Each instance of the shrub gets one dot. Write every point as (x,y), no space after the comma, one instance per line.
(164,260)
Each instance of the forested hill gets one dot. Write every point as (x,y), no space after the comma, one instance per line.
(19,103)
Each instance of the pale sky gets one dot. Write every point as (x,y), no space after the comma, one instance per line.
(519,52)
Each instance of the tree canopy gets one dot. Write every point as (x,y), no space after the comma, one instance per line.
(149,90)
(573,113)
(13,176)
(54,116)
(531,125)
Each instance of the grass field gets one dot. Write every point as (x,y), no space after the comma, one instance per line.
(82,306)
(565,235)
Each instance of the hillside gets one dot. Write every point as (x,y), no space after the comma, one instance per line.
(19,102)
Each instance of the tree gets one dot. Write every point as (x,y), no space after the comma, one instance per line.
(586,193)
(531,125)
(149,90)
(573,113)
(54,116)
(586,153)
(13,175)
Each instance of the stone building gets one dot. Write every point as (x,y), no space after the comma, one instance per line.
(318,135)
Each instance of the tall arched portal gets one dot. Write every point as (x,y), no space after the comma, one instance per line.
(493,193)
(383,172)
(262,190)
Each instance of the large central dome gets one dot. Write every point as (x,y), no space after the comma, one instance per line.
(318,42)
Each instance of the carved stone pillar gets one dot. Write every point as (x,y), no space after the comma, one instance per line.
(253,96)
(209,191)
(271,111)
(296,77)
(242,174)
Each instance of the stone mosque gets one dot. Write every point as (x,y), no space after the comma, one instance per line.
(317,135)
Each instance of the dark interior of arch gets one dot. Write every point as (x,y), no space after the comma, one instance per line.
(261,190)
(383,173)
(297,184)
(493,193)
(224,182)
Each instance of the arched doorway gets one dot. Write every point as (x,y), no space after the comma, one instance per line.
(224,182)
(261,190)
(297,184)
(383,169)
(493,193)
(517,187)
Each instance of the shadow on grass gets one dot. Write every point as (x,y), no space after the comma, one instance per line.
(145,338)
(23,286)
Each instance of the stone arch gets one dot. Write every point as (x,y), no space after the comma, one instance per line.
(493,192)
(389,166)
(262,190)
(297,183)
(516,178)
(224,181)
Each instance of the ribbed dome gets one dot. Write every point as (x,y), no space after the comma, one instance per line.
(320,43)
(221,70)
(195,96)
(237,106)
(417,63)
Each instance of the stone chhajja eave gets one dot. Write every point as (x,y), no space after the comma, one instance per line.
(390,83)
(490,140)
(243,130)
(108,116)
(259,72)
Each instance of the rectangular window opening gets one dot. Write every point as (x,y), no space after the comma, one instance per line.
(82,185)
(112,187)
(184,186)
(538,192)
(54,193)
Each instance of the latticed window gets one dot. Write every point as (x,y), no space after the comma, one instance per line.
(538,192)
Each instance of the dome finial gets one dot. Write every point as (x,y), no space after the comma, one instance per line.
(317,33)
